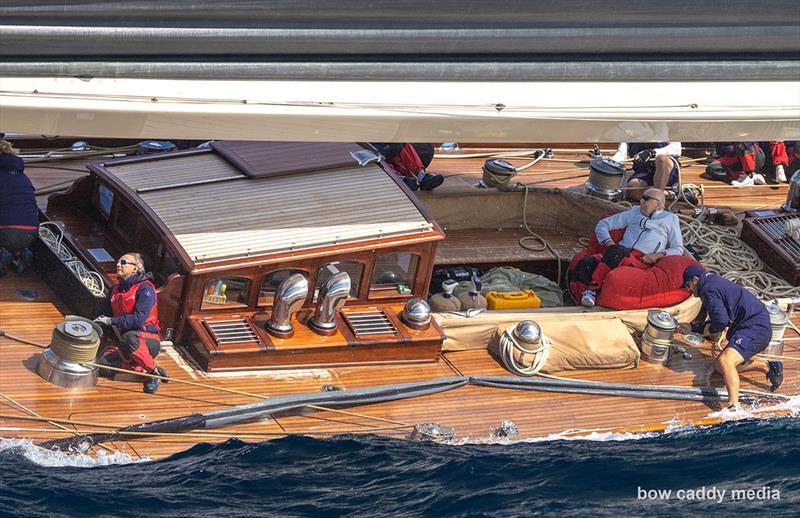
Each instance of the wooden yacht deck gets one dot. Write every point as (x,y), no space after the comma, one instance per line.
(474,411)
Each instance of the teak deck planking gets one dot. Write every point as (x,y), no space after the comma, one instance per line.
(473,411)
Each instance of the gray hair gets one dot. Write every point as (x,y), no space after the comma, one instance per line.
(6,148)
(137,261)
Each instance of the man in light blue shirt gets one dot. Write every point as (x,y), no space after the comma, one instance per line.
(651,233)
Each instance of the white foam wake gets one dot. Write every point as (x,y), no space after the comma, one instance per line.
(53,459)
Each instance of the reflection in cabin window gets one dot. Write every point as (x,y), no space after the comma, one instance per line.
(105,198)
(352,268)
(271,282)
(225,292)
(394,275)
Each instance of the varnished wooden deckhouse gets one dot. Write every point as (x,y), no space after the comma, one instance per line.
(220,228)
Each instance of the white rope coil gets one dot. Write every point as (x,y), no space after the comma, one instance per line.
(727,255)
(512,353)
(52,235)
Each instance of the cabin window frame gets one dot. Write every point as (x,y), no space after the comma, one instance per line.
(418,253)
(262,276)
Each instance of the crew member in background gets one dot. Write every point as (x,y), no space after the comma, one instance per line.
(410,161)
(651,233)
(782,156)
(729,305)
(655,164)
(19,216)
(740,163)
(133,311)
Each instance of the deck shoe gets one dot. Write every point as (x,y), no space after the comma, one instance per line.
(25,260)
(588,298)
(160,371)
(780,174)
(430,182)
(151,385)
(758,179)
(744,180)
(775,375)
(412,183)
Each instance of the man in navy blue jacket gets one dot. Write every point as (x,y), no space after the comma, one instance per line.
(729,305)
(19,216)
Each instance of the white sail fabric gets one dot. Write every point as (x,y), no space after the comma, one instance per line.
(402,111)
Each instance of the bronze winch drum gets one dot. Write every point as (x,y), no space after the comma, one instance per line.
(605,179)
(74,342)
(657,337)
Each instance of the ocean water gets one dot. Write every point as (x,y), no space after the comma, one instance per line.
(603,475)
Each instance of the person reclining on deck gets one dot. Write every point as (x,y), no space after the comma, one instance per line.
(650,234)
(410,161)
(655,164)
(133,308)
(729,305)
(19,216)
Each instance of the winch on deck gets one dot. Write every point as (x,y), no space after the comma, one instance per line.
(74,342)
(605,179)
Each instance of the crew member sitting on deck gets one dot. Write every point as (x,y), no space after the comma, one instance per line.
(655,164)
(19,217)
(410,162)
(134,314)
(740,163)
(729,305)
(651,233)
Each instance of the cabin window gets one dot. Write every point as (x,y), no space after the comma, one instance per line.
(394,275)
(352,268)
(226,292)
(105,199)
(271,281)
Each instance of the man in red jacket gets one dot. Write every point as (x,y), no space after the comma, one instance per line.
(134,313)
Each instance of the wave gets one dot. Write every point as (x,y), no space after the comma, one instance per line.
(356,475)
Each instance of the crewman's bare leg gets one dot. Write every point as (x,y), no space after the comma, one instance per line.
(726,364)
(636,188)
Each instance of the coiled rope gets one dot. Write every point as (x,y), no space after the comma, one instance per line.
(52,235)
(510,347)
(728,256)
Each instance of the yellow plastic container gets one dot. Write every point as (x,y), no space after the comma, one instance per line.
(513,300)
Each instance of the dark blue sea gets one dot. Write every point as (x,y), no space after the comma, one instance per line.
(610,475)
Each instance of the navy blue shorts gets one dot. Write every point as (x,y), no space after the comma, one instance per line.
(649,171)
(747,346)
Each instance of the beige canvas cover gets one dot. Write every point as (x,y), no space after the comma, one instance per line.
(582,339)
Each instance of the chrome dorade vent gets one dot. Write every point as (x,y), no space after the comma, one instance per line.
(369,322)
(288,300)
(232,331)
(332,297)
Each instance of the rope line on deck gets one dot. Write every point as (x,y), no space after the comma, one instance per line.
(210,387)
(725,254)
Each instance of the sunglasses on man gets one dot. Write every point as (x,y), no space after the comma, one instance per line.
(123,262)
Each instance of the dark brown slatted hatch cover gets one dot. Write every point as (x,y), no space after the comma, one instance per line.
(261,159)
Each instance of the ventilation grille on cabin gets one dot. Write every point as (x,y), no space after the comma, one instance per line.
(774,227)
(234,331)
(369,322)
